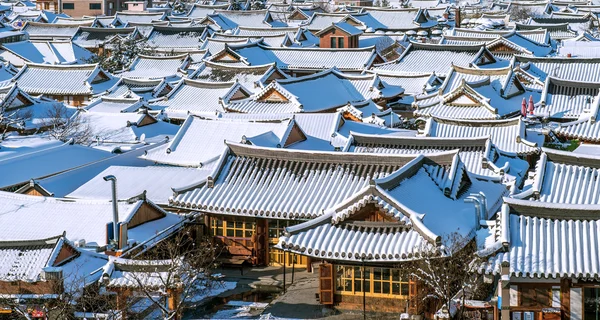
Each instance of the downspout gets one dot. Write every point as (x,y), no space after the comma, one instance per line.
(113,181)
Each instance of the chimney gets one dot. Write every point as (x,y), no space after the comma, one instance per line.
(113,181)
(568,55)
(457,17)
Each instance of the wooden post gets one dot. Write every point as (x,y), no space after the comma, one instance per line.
(122,296)
(565,298)
(364,291)
(284,256)
(293,265)
(505,289)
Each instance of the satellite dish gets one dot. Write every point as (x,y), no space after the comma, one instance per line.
(143,137)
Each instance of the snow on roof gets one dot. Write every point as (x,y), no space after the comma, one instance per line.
(190,96)
(542,247)
(475,153)
(402,19)
(96,37)
(115,105)
(252,78)
(63,79)
(150,67)
(307,58)
(24,260)
(127,127)
(423,58)
(200,141)
(41,30)
(262,31)
(156,181)
(138,88)
(574,69)
(312,93)
(321,20)
(50,52)
(300,194)
(177,37)
(201,11)
(22,167)
(563,99)
(33,217)
(140,17)
(509,136)
(15,145)
(66,182)
(564,178)
(216,45)
(252,18)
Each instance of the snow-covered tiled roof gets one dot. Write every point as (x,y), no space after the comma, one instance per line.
(177,37)
(24,260)
(540,246)
(48,52)
(63,79)
(574,69)
(262,31)
(251,18)
(156,181)
(252,78)
(423,58)
(96,37)
(563,99)
(200,141)
(564,178)
(140,17)
(402,19)
(33,217)
(197,97)
(116,105)
(307,58)
(508,136)
(151,67)
(46,162)
(298,178)
(38,30)
(311,93)
(479,157)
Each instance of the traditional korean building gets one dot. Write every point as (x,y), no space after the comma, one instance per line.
(157,67)
(297,95)
(71,84)
(44,52)
(363,240)
(253,78)
(479,155)
(509,136)
(543,256)
(97,39)
(420,58)
(478,94)
(299,61)
(564,100)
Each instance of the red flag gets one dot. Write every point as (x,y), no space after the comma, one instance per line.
(531,107)
(524,108)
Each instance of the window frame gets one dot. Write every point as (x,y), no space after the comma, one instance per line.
(95,3)
(72,4)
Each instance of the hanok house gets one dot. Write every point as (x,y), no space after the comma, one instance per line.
(89,223)
(544,259)
(339,35)
(71,84)
(98,39)
(297,95)
(306,183)
(363,240)
(36,271)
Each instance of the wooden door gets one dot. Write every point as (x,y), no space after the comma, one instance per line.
(326,283)
(260,244)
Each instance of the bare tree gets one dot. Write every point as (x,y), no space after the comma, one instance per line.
(519,13)
(63,126)
(11,119)
(178,268)
(448,272)
(118,54)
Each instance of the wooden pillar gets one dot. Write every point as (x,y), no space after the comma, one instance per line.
(122,296)
(505,291)
(308,264)
(173,300)
(565,298)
